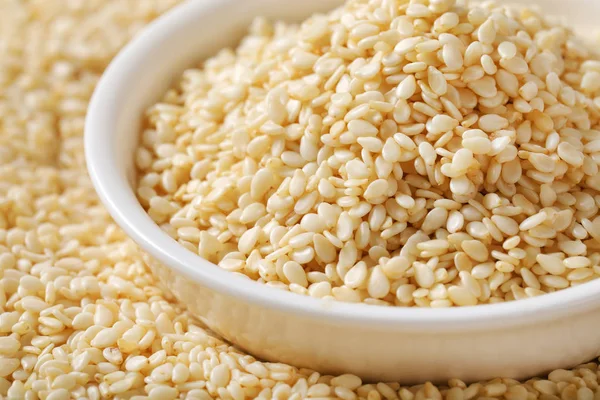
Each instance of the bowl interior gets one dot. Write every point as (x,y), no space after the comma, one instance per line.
(141,74)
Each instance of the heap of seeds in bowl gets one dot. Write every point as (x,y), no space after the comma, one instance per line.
(422,153)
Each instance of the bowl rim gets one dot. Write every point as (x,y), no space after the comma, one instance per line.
(119,199)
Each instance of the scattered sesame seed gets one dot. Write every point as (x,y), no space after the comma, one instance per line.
(81,316)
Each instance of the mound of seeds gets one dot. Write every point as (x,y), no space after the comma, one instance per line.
(69,278)
(422,153)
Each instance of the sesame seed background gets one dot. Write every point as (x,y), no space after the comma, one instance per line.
(80,316)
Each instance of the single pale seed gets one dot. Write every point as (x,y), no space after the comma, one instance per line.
(551,264)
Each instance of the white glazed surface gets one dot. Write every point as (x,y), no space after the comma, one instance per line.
(515,339)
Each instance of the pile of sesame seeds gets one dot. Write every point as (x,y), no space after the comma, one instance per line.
(422,153)
(71,282)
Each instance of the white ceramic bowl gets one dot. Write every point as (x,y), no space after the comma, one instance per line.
(514,339)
